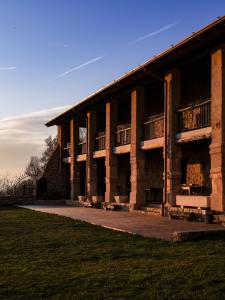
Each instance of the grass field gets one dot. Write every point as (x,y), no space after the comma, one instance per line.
(46,256)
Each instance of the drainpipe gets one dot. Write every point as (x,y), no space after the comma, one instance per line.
(165,136)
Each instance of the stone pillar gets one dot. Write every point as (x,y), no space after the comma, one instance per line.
(173,155)
(74,165)
(217,147)
(61,136)
(61,143)
(91,164)
(137,156)
(110,158)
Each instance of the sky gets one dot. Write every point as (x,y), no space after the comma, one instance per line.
(53,53)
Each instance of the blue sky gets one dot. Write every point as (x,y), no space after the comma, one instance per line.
(54,53)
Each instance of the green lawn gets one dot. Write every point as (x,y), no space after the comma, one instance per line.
(51,257)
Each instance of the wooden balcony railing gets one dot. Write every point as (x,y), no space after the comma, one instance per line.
(154,127)
(123,137)
(100,141)
(195,116)
(82,148)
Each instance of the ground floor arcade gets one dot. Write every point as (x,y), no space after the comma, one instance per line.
(193,186)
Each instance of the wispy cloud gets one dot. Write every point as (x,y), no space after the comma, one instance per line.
(9,68)
(23,136)
(80,66)
(153,33)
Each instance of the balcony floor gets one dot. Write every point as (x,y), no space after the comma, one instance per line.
(152,144)
(99,153)
(122,149)
(81,157)
(194,135)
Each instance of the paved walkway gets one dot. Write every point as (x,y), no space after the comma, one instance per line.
(145,225)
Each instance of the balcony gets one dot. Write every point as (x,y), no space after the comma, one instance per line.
(123,136)
(100,141)
(195,116)
(67,153)
(82,148)
(154,127)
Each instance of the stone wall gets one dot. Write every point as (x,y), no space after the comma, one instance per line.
(55,181)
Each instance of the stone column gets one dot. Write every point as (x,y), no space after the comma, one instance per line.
(110,158)
(61,143)
(217,148)
(173,154)
(91,164)
(137,156)
(74,165)
(61,136)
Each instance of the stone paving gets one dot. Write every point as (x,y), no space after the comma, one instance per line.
(135,223)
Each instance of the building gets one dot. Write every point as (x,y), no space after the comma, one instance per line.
(165,117)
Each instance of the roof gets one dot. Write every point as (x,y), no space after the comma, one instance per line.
(201,38)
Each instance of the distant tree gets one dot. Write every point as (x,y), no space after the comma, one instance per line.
(20,178)
(5,184)
(34,169)
(51,144)
(36,165)
(10,186)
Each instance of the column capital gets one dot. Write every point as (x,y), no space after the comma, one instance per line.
(168,77)
(137,88)
(174,72)
(220,47)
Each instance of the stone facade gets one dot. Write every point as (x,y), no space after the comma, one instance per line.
(149,122)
